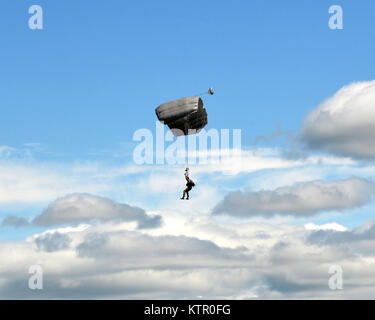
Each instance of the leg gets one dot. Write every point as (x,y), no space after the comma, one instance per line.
(183,194)
(187,192)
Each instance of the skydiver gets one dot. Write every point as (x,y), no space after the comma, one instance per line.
(189,184)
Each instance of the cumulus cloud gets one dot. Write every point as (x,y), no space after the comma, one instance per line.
(77,208)
(345,123)
(300,200)
(125,246)
(330,237)
(237,264)
(51,242)
(14,221)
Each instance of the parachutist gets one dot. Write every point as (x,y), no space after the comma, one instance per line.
(189,184)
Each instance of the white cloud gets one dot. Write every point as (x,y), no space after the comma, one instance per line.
(300,200)
(345,123)
(202,258)
(32,182)
(37,182)
(328,226)
(6,151)
(78,208)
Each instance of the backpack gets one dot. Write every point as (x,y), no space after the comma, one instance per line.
(191,183)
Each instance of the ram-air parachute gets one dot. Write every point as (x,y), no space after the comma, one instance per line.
(184,116)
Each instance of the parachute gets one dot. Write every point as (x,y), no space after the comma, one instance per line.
(184,116)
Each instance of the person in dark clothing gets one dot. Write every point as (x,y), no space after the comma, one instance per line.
(189,184)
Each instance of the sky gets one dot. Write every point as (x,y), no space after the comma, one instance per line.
(72,196)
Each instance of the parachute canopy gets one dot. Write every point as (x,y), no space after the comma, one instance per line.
(184,116)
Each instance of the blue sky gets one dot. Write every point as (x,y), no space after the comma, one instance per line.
(77,90)
(97,71)
(73,94)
